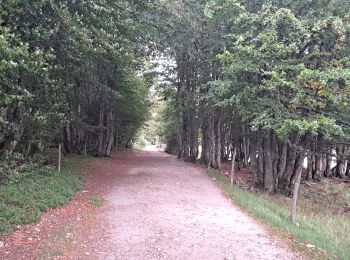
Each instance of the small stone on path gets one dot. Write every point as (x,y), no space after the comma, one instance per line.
(310,246)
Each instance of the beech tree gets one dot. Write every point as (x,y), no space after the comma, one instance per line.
(268,78)
(72,73)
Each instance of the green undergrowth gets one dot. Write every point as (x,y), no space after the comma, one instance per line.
(321,233)
(96,202)
(31,188)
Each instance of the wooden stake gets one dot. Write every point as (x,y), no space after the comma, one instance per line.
(293,212)
(59,157)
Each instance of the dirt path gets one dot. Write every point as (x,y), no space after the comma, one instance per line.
(158,207)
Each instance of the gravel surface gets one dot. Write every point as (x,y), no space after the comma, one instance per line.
(156,207)
(160,207)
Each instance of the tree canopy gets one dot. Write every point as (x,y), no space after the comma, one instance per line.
(72,72)
(267,79)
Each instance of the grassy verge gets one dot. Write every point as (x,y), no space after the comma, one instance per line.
(23,199)
(319,232)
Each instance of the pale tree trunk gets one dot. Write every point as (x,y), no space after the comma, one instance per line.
(342,164)
(298,171)
(343,168)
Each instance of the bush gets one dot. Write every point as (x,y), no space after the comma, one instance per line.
(16,167)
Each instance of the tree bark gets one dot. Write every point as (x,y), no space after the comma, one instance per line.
(218,144)
(101,130)
(254,164)
(233,164)
(281,168)
(298,172)
(268,165)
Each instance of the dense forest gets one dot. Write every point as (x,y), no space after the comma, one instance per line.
(263,82)
(72,72)
(266,82)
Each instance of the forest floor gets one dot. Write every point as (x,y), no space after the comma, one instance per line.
(146,205)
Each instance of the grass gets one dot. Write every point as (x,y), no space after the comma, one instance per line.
(22,201)
(318,223)
(57,245)
(96,202)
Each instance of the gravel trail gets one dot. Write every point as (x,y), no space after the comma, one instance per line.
(159,207)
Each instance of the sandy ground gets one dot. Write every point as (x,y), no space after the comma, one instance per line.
(157,207)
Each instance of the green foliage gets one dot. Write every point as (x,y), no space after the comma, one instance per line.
(15,168)
(65,62)
(162,125)
(96,202)
(285,72)
(30,189)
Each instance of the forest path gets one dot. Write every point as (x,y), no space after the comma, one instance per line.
(155,207)
(159,207)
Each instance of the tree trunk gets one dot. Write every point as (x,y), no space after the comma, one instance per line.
(233,164)
(309,167)
(254,164)
(213,146)
(268,165)
(100,130)
(110,133)
(245,148)
(285,182)
(218,144)
(319,168)
(260,162)
(342,169)
(298,171)
(281,168)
